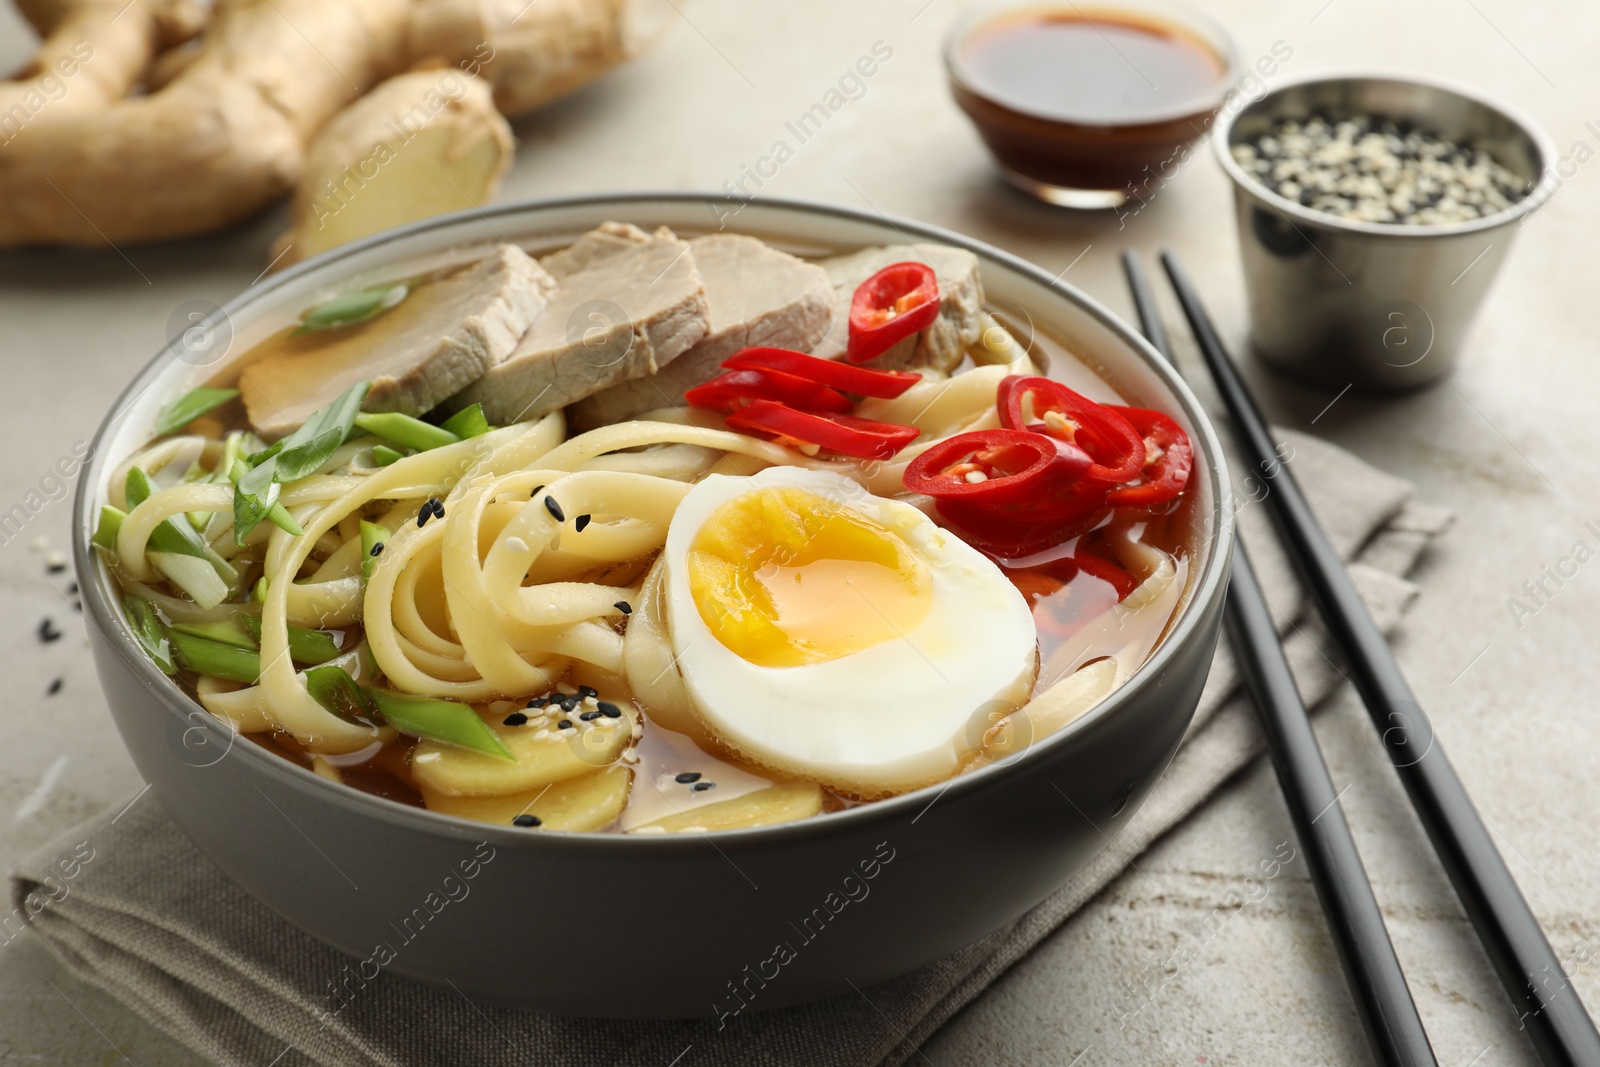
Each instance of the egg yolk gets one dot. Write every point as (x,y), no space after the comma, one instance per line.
(784,578)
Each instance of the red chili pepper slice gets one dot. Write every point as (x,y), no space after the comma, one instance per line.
(1165,475)
(1012,466)
(1038,583)
(844,434)
(1008,534)
(1114,445)
(733,389)
(1099,565)
(862,381)
(898,301)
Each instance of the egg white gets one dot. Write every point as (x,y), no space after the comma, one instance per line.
(892,717)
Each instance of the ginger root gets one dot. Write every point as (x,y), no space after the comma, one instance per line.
(231,120)
(420,144)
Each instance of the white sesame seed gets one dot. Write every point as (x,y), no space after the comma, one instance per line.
(1373,170)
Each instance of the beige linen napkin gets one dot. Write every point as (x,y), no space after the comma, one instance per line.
(152,922)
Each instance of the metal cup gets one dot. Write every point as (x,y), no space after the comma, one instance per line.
(1378,306)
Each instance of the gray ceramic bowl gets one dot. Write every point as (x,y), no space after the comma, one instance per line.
(627,927)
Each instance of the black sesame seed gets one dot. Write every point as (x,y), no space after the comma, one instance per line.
(77,606)
(55,687)
(564,724)
(554,509)
(610,710)
(55,568)
(568,703)
(527,820)
(686,777)
(538,702)
(48,632)
(535,492)
(701,787)
(624,607)
(423,516)
(589,716)
(377,548)
(516,718)
(438,507)
(585,691)
(72,588)
(580,522)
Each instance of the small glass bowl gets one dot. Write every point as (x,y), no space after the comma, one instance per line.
(1067,155)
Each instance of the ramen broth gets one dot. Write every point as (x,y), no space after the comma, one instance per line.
(1078,617)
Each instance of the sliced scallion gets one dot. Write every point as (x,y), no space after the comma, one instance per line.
(468,422)
(336,691)
(191,406)
(146,626)
(383,455)
(216,659)
(303,452)
(404,430)
(193,574)
(348,309)
(373,537)
(305,646)
(438,720)
(229,631)
(105,532)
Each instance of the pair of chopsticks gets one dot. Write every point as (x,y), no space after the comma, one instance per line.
(1548,1005)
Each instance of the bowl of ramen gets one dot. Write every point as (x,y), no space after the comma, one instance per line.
(616,613)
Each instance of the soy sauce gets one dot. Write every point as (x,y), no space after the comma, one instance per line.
(1081,106)
(1077,67)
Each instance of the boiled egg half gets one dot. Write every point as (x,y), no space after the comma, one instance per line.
(837,636)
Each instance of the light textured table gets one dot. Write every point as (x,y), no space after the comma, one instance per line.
(1507,443)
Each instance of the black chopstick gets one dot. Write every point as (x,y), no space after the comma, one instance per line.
(1383,1000)
(1539,988)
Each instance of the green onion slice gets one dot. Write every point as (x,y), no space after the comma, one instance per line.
(438,720)
(216,659)
(146,626)
(406,431)
(348,309)
(191,406)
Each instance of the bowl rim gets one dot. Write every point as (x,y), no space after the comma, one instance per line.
(1185,15)
(103,609)
(1536,198)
